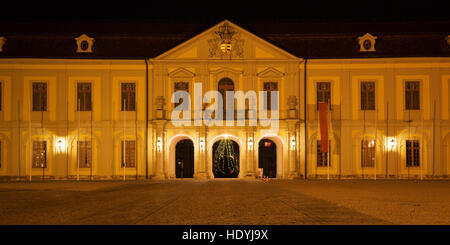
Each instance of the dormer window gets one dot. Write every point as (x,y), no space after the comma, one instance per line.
(367,43)
(2,42)
(84,44)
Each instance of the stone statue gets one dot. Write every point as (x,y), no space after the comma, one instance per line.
(160,103)
(292,102)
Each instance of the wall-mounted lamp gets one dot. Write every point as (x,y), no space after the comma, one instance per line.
(202,144)
(159,144)
(293,143)
(250,144)
(392,143)
(61,145)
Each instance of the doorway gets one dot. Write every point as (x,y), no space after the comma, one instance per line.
(184,159)
(267,158)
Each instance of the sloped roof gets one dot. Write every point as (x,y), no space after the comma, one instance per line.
(148,40)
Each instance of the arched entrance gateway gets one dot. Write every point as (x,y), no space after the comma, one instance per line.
(184,159)
(267,159)
(225,159)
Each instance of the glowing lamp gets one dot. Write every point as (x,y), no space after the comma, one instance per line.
(202,144)
(159,144)
(250,144)
(293,143)
(60,144)
(392,143)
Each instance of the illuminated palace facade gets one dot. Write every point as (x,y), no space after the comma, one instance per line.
(82,107)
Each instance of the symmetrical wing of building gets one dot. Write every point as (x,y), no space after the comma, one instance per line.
(97,103)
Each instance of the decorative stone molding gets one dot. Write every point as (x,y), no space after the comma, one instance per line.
(223,72)
(2,42)
(84,44)
(181,73)
(367,43)
(226,70)
(271,73)
(226,43)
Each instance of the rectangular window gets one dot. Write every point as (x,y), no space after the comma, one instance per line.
(322,157)
(39,96)
(181,86)
(269,87)
(128,96)
(412,95)
(84,154)
(412,153)
(323,93)
(368,153)
(367,96)
(130,153)
(84,96)
(39,154)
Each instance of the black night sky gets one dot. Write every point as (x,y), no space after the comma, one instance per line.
(211,12)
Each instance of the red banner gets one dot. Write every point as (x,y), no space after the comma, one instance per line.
(323,118)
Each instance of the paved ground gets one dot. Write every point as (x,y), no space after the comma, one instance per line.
(225,202)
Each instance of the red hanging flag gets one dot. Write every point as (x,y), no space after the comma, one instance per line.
(323,118)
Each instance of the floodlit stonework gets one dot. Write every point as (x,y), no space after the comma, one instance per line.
(224,57)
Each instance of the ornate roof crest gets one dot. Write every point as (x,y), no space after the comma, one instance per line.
(226,42)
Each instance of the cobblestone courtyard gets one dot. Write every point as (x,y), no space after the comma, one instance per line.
(223,202)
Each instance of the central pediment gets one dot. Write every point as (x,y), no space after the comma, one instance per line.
(226,41)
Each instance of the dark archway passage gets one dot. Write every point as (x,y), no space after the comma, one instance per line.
(226,159)
(267,158)
(184,159)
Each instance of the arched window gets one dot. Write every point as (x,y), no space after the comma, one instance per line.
(225,84)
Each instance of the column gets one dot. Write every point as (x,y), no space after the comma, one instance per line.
(200,170)
(250,158)
(292,147)
(160,149)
